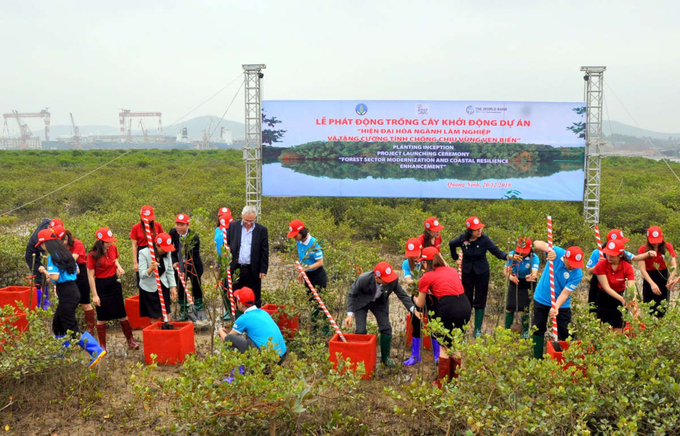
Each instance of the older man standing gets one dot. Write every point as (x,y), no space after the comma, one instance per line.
(249,245)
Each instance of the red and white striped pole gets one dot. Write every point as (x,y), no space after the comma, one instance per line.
(320,301)
(552,277)
(230,291)
(152,251)
(190,299)
(460,265)
(599,241)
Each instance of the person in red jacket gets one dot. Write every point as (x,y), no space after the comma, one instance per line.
(657,279)
(613,275)
(138,235)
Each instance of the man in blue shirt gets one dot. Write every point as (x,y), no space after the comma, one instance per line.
(256,324)
(567,266)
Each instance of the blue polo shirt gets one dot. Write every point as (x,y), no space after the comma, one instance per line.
(523,268)
(63,275)
(219,241)
(309,252)
(261,328)
(407,270)
(564,279)
(595,257)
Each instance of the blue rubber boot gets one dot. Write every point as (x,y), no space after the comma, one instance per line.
(46,303)
(435,350)
(88,343)
(415,353)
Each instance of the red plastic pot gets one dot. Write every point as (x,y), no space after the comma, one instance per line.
(427,343)
(558,356)
(289,326)
(170,346)
(18,320)
(10,295)
(358,348)
(132,309)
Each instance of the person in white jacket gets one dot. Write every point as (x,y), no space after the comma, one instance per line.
(149,300)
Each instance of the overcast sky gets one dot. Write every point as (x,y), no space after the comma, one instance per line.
(92,58)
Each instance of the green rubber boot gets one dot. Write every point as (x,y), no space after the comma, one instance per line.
(526,324)
(539,341)
(479,320)
(227,306)
(385,348)
(509,319)
(183,309)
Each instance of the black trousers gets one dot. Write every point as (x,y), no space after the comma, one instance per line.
(83,284)
(518,296)
(250,278)
(415,322)
(65,315)
(381,310)
(660,277)
(541,319)
(242,344)
(593,295)
(454,312)
(476,288)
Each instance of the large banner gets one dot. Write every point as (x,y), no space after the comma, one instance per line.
(426,149)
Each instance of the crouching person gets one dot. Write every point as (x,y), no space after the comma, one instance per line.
(371,291)
(254,329)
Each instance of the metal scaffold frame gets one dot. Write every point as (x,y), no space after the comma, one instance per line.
(252,150)
(594,83)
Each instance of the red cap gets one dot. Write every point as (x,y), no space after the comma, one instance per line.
(105,234)
(574,257)
(182,218)
(473,223)
(147,212)
(429,253)
(56,222)
(164,241)
(384,270)
(413,247)
(614,247)
(617,234)
(523,245)
(432,224)
(245,296)
(59,231)
(225,219)
(45,235)
(655,235)
(294,228)
(223,210)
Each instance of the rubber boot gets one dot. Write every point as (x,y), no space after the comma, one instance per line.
(227,305)
(443,371)
(415,353)
(183,309)
(44,305)
(101,334)
(385,348)
(127,331)
(435,350)
(526,318)
(89,320)
(88,343)
(455,365)
(479,320)
(539,341)
(509,319)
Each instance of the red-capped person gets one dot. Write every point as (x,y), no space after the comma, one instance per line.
(187,257)
(149,299)
(657,278)
(614,274)
(103,271)
(138,234)
(431,236)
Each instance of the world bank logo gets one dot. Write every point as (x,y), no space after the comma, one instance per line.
(361,109)
(470,110)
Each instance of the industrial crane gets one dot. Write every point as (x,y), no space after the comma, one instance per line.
(76,133)
(144,132)
(44,114)
(125,113)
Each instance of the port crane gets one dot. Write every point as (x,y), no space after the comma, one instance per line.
(76,133)
(44,114)
(126,113)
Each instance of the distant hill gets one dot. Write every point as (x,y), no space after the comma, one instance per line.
(624,129)
(195,127)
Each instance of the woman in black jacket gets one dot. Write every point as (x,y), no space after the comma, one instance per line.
(475,267)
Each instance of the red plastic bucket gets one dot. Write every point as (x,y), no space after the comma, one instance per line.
(358,348)
(170,346)
(289,326)
(427,343)
(11,294)
(132,309)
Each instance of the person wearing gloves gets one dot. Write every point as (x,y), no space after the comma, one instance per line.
(149,300)
(103,270)
(475,266)
(451,305)
(310,256)
(567,266)
(520,274)
(371,291)
(187,257)
(614,273)
(596,256)
(63,270)
(412,274)
(657,279)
